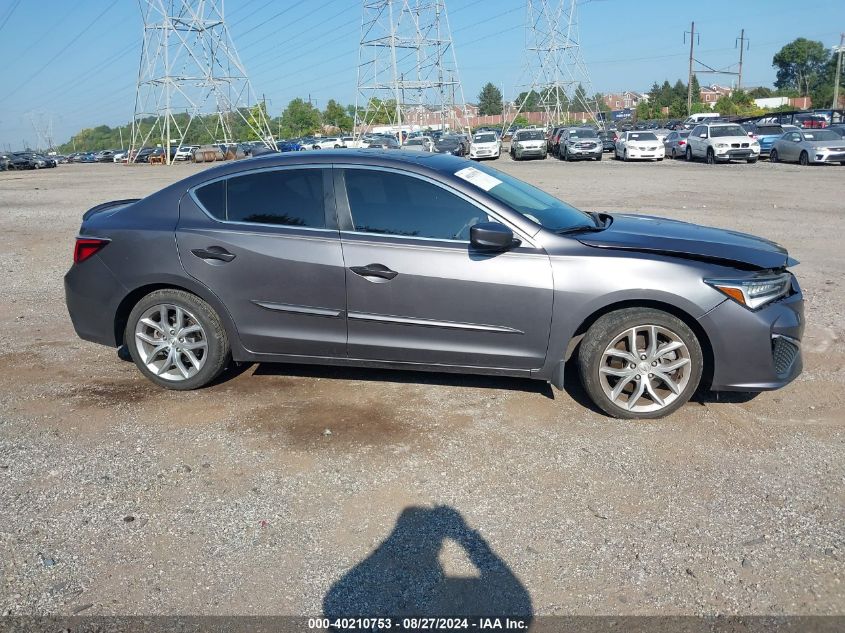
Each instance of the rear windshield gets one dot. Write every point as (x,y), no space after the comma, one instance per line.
(727,130)
(769,130)
(642,136)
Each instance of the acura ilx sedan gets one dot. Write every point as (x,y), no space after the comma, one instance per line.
(423,261)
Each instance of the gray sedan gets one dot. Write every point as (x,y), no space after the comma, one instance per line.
(807,147)
(412,260)
(675,143)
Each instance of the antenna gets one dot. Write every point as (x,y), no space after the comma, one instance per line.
(554,63)
(407,70)
(189,68)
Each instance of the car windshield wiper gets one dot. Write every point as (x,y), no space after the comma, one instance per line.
(598,226)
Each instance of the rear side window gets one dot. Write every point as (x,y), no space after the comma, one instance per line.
(395,204)
(285,197)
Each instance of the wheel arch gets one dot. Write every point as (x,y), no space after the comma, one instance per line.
(129,301)
(680,313)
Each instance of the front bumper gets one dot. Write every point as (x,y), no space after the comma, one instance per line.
(484,153)
(744,153)
(530,151)
(756,351)
(576,152)
(646,154)
(827,157)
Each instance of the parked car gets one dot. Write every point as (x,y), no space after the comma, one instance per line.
(381,142)
(766,135)
(608,140)
(185,152)
(839,128)
(87,157)
(451,144)
(105,156)
(577,143)
(394,262)
(419,144)
(675,143)
(332,142)
(528,144)
(721,142)
(49,161)
(31,160)
(142,155)
(809,146)
(638,145)
(485,145)
(812,121)
(553,142)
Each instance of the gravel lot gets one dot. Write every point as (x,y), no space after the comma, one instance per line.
(117,497)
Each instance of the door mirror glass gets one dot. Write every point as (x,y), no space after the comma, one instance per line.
(491,236)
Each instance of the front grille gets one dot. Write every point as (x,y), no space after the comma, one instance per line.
(784,353)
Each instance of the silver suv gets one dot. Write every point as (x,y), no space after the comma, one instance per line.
(721,143)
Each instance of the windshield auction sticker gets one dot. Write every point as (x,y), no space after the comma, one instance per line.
(478,178)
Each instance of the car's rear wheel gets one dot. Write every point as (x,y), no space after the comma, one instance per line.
(177,340)
(640,363)
(773,156)
(804,159)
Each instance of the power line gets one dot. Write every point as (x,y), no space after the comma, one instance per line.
(57,55)
(9,13)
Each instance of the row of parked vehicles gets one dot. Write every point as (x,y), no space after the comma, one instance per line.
(26,160)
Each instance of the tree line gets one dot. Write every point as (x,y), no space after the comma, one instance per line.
(804,68)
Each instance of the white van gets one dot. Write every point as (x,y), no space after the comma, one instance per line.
(695,119)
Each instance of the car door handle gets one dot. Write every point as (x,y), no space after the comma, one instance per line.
(214,252)
(374,270)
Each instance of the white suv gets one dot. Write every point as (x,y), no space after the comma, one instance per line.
(721,142)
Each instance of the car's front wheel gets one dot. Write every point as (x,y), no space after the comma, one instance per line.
(177,340)
(711,157)
(804,159)
(689,154)
(773,156)
(640,363)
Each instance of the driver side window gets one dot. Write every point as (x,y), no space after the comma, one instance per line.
(390,203)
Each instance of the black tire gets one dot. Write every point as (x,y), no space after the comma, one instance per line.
(674,156)
(611,325)
(751,161)
(218,350)
(689,154)
(773,156)
(804,159)
(711,156)
(625,156)
(599,157)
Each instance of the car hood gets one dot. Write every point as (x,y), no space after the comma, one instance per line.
(660,235)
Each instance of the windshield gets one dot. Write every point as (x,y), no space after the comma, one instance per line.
(770,130)
(583,134)
(531,135)
(822,135)
(536,205)
(641,136)
(414,141)
(727,130)
(485,138)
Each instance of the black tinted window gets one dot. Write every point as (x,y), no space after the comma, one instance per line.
(213,198)
(385,202)
(288,197)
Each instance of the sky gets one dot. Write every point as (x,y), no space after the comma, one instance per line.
(75,62)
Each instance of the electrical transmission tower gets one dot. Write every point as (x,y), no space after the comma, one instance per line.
(558,82)
(42,123)
(191,79)
(407,69)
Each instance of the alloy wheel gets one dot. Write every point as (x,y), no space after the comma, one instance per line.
(171,342)
(645,368)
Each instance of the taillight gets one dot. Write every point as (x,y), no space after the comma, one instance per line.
(682,142)
(86,247)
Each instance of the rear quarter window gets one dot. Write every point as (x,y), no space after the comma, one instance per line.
(213,198)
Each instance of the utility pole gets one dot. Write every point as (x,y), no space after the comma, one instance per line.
(689,77)
(838,77)
(741,49)
(189,75)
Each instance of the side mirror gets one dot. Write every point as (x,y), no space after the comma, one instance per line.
(491,236)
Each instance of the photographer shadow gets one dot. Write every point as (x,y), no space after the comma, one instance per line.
(404,576)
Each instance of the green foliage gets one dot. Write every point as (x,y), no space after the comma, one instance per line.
(338,116)
(530,101)
(801,64)
(299,118)
(761,92)
(521,121)
(489,100)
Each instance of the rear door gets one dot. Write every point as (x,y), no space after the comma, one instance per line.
(416,290)
(266,243)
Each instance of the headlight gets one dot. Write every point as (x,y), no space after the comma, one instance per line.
(755,292)
(721,145)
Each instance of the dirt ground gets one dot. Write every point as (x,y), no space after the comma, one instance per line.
(117,497)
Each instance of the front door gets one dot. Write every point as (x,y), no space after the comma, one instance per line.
(266,243)
(418,293)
